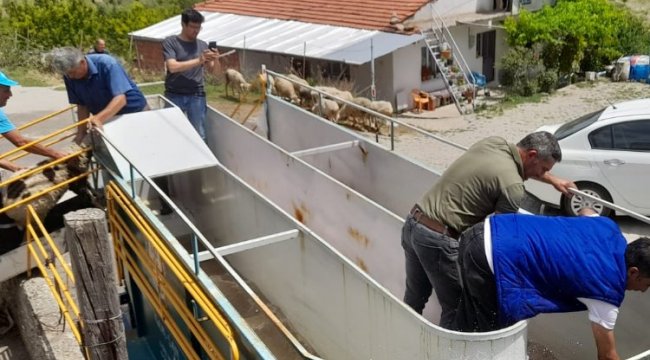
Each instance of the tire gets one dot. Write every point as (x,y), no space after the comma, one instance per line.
(571,206)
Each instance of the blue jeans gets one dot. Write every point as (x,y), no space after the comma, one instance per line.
(194,107)
(431,263)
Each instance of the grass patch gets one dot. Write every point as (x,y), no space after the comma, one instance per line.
(31,77)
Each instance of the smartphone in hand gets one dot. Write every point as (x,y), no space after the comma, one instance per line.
(212,45)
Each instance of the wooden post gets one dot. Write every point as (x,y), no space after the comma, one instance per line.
(92,258)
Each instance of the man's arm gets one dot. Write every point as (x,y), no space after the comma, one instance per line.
(82,114)
(561,185)
(604,342)
(207,56)
(19,140)
(114,106)
(9,165)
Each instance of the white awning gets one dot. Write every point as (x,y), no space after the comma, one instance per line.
(333,43)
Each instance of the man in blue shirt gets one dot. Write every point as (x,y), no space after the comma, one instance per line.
(9,131)
(515,266)
(98,84)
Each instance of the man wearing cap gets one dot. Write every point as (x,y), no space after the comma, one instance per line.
(98,84)
(9,131)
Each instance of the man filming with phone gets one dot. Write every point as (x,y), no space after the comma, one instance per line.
(186,57)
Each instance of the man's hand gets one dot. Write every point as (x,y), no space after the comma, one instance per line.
(96,123)
(604,342)
(208,56)
(561,185)
(10,166)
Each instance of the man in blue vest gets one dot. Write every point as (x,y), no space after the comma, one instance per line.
(515,266)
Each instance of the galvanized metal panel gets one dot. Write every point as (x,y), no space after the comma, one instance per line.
(387,178)
(363,232)
(295,38)
(336,308)
(173,147)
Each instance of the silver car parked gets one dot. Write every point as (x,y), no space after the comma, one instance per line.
(607,155)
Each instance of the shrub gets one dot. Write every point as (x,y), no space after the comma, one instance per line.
(580,35)
(520,71)
(29,28)
(548,81)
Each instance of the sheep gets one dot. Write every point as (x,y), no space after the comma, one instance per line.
(236,80)
(303,92)
(345,95)
(284,89)
(37,182)
(382,107)
(327,108)
(352,113)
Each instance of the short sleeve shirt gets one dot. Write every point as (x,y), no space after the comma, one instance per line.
(487,178)
(5,124)
(106,79)
(188,82)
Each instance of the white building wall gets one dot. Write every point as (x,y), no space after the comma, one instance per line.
(406,69)
(450,7)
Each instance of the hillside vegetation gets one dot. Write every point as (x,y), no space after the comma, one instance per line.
(30,28)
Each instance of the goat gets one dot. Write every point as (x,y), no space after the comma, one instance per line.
(236,80)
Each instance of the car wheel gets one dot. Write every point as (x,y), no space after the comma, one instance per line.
(571,206)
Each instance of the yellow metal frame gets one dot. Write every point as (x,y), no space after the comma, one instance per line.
(43,118)
(38,121)
(118,200)
(36,250)
(125,243)
(46,137)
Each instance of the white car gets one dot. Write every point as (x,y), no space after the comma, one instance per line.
(606,154)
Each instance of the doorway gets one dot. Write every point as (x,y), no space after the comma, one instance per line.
(486,48)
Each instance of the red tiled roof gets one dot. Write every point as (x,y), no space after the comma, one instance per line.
(362,14)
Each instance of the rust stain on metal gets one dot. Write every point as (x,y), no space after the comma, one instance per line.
(300,212)
(361,264)
(364,152)
(359,237)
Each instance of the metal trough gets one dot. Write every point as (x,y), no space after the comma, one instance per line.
(288,293)
(336,184)
(355,193)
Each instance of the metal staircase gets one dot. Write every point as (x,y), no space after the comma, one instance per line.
(456,73)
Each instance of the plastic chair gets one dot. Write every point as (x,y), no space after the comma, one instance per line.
(419,102)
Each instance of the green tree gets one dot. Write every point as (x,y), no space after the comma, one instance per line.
(580,35)
(29,28)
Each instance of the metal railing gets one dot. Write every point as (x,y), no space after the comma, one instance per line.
(387,119)
(36,122)
(127,245)
(442,33)
(117,197)
(47,264)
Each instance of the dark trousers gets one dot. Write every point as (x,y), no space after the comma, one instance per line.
(478,308)
(430,263)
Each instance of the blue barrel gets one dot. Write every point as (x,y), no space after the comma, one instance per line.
(639,67)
